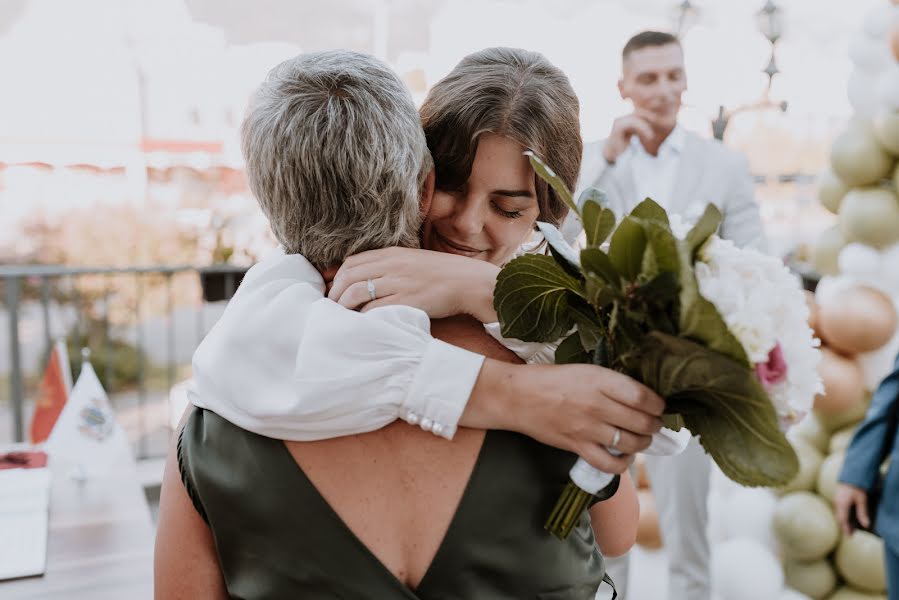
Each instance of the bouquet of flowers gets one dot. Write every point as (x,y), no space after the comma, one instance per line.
(720,332)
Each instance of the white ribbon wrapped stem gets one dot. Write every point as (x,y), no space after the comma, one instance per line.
(666,442)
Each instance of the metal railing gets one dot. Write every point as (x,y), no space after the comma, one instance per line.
(115,310)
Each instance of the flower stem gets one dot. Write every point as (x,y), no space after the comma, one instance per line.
(567,511)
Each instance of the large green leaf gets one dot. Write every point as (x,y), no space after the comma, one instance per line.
(531,299)
(658,298)
(593,194)
(598,292)
(723,403)
(570,351)
(598,222)
(661,290)
(649,210)
(594,260)
(550,177)
(626,249)
(704,228)
(698,318)
(588,325)
(664,245)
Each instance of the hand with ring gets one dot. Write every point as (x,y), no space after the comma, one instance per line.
(438,283)
(616,437)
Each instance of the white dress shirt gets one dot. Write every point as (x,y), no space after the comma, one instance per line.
(654,176)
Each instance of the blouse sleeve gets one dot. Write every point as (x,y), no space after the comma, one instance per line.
(287,363)
(387,360)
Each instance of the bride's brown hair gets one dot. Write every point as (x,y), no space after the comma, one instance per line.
(510,92)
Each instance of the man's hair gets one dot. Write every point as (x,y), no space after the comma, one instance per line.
(513,93)
(336,156)
(648,39)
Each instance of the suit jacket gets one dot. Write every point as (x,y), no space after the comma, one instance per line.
(863,458)
(707,172)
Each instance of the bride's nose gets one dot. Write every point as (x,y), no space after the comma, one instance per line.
(468,217)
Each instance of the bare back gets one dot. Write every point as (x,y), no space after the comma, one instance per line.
(397,489)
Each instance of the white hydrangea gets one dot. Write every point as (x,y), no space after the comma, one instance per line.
(763,304)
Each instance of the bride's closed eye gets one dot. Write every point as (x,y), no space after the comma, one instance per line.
(509,214)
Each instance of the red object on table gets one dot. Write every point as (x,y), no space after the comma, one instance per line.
(27,459)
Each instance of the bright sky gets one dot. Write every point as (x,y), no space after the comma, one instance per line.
(69,69)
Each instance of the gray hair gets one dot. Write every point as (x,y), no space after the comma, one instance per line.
(336,156)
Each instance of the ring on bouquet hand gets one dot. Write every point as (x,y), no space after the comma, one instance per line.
(616,437)
(371,290)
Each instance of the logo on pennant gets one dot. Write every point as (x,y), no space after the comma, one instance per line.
(95,421)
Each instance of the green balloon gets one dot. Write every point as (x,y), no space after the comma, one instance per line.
(857,156)
(870,216)
(831,191)
(886,128)
(815,579)
(828,475)
(805,526)
(859,560)
(827,251)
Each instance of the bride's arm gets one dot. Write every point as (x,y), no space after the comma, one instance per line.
(286,363)
(615,520)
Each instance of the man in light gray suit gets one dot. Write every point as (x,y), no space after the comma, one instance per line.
(647,154)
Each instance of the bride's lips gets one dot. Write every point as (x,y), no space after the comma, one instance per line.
(455,248)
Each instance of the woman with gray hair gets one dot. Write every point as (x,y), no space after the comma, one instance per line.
(472,510)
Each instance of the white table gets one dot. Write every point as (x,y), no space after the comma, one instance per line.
(100,543)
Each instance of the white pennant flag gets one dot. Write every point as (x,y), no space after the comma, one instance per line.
(86,436)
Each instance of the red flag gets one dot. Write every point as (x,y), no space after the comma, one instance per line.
(53,393)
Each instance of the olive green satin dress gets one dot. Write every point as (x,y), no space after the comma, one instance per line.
(276,537)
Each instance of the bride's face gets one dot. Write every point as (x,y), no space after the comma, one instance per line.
(494,212)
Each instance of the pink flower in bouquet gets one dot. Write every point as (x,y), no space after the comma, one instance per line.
(775,370)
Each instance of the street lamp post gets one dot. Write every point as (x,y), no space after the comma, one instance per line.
(770,22)
(685,16)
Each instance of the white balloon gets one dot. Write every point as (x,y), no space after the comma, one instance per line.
(890,271)
(878,20)
(888,87)
(870,55)
(862,91)
(749,515)
(889,255)
(878,364)
(860,261)
(745,570)
(830,287)
(789,594)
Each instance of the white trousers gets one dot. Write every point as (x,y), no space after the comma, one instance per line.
(680,485)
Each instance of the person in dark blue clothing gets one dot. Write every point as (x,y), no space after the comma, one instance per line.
(875,439)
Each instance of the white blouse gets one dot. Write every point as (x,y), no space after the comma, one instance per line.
(285,362)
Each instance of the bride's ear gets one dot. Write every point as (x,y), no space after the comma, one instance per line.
(427,193)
